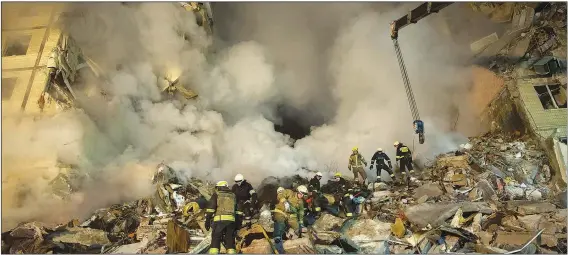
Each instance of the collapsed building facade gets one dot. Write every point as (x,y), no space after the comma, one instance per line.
(501,193)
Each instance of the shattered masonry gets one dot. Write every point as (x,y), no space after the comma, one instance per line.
(500,193)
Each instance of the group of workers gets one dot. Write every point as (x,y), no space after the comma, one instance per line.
(381,161)
(228,207)
(226,210)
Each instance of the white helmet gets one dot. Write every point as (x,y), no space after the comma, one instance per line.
(319,174)
(239,177)
(396,143)
(302,189)
(380,149)
(279,190)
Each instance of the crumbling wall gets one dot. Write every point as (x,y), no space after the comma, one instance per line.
(502,114)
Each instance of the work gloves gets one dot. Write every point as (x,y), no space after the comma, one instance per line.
(287,206)
(371,167)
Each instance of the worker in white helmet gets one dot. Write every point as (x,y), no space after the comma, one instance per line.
(289,212)
(314,187)
(246,196)
(357,164)
(379,158)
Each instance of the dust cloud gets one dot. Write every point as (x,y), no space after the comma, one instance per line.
(332,65)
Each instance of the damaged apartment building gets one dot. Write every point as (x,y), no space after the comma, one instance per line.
(498,194)
(42,67)
(527,54)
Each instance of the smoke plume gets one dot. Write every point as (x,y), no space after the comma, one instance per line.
(331,67)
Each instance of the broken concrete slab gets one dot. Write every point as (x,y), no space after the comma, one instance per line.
(324,237)
(482,43)
(428,189)
(549,227)
(487,190)
(364,230)
(525,207)
(436,214)
(257,246)
(511,223)
(378,186)
(296,246)
(328,222)
(328,249)
(133,248)
(531,222)
(422,199)
(82,236)
(299,246)
(458,162)
(486,237)
(513,238)
(150,232)
(26,238)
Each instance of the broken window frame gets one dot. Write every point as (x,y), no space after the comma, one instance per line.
(549,93)
(8,84)
(12,40)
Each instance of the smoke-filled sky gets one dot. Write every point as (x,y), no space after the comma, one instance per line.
(331,67)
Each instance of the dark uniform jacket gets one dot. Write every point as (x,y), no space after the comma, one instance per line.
(403,152)
(314,185)
(244,192)
(380,157)
(336,187)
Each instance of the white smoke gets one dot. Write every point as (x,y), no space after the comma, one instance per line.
(229,129)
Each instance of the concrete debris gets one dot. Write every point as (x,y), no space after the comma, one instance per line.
(328,249)
(87,237)
(328,222)
(478,200)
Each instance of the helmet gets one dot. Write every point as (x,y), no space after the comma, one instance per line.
(319,174)
(380,149)
(222,184)
(338,174)
(279,190)
(355,148)
(396,143)
(239,177)
(302,189)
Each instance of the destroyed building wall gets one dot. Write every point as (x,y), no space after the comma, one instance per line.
(561,151)
(547,125)
(545,122)
(28,36)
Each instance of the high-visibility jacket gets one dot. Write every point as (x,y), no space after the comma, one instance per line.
(403,152)
(356,160)
(223,205)
(296,205)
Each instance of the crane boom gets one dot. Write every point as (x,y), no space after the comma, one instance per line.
(413,16)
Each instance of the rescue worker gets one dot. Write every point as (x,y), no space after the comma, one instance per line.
(404,156)
(246,196)
(221,211)
(289,212)
(314,187)
(314,184)
(379,159)
(357,164)
(337,187)
(347,204)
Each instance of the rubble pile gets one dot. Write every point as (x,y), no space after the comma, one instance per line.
(494,195)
